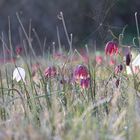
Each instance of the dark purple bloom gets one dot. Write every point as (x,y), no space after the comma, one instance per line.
(85,83)
(128,58)
(117,83)
(118,69)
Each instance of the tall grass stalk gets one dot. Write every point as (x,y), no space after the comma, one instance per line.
(28,39)
(10,38)
(137,27)
(3,113)
(69,39)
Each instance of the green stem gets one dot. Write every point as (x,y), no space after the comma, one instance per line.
(137,26)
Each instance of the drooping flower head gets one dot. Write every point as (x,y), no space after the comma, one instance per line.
(81,72)
(35,68)
(50,72)
(85,83)
(118,69)
(19,74)
(111,48)
(99,60)
(128,58)
(19,50)
(117,83)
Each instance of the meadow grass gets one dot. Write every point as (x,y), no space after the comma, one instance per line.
(50,108)
(57,107)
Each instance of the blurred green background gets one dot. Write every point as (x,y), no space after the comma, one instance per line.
(88,20)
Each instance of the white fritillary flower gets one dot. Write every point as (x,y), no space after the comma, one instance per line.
(135,66)
(19,74)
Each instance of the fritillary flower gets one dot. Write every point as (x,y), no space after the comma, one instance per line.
(35,68)
(135,64)
(85,83)
(99,60)
(50,72)
(111,48)
(19,50)
(19,74)
(117,83)
(81,72)
(118,69)
(128,58)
